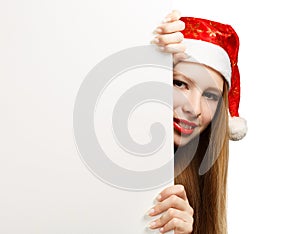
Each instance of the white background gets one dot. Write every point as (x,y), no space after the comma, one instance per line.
(264,170)
(264,173)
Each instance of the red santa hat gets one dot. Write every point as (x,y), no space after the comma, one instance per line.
(216,45)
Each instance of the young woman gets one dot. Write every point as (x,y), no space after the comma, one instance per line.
(202,128)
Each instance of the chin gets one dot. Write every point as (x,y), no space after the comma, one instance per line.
(179,141)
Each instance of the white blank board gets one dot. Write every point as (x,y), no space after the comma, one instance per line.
(48,49)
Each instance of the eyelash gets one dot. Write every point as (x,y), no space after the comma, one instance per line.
(208,95)
(211,96)
(178,81)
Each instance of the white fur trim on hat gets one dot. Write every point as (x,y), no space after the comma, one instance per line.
(209,54)
(237,127)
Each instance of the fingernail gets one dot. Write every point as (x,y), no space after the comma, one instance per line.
(161,48)
(151,212)
(168,19)
(152,224)
(158,197)
(155,41)
(161,230)
(158,30)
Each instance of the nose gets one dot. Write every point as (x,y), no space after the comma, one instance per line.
(192,105)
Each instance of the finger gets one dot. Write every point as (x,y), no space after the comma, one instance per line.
(169,215)
(178,225)
(179,57)
(177,190)
(171,202)
(174,26)
(169,38)
(173,16)
(173,48)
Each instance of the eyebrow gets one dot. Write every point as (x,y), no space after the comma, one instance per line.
(185,77)
(216,89)
(191,81)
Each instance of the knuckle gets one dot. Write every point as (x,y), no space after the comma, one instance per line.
(172,212)
(192,220)
(173,198)
(192,210)
(163,39)
(175,222)
(179,36)
(180,187)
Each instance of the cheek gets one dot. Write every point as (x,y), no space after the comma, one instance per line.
(208,110)
(178,98)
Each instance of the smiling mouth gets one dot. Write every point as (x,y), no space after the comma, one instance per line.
(183,126)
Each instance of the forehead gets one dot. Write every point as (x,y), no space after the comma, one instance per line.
(200,75)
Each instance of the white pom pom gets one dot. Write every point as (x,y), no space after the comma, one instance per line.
(237,127)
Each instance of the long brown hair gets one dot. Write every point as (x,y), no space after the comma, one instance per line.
(207,192)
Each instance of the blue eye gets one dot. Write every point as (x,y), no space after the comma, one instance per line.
(211,96)
(179,83)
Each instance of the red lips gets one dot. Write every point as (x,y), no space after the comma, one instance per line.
(177,123)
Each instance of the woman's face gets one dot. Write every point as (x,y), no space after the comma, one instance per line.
(196,93)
